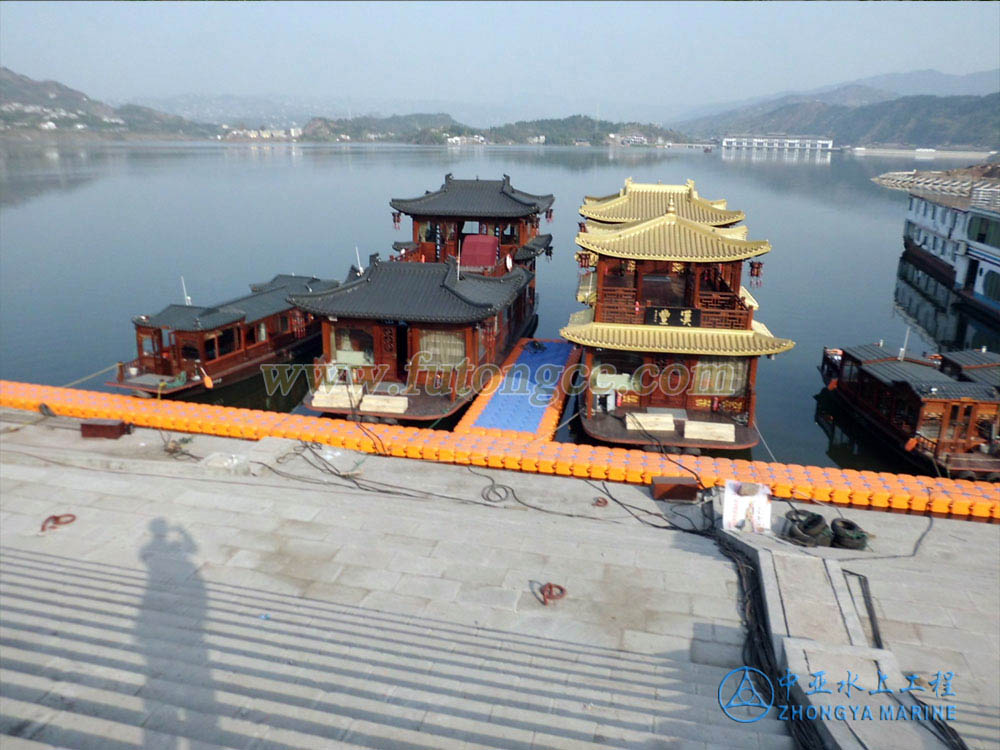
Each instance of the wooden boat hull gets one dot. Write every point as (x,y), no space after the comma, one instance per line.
(300,350)
(609,428)
(916,458)
(422,408)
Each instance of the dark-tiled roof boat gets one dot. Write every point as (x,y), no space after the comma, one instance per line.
(184,348)
(406,338)
(941,412)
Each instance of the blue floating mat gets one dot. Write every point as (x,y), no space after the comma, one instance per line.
(520,401)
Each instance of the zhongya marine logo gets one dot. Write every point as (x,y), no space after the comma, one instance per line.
(746,695)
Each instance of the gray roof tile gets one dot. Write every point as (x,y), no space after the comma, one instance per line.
(266,299)
(477,198)
(418,293)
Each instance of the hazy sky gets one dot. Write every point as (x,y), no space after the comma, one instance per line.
(694,53)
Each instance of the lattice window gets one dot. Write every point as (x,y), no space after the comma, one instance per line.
(443,347)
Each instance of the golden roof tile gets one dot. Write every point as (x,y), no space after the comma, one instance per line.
(674,340)
(639,201)
(672,237)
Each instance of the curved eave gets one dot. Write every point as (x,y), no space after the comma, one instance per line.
(673,238)
(677,255)
(473,317)
(707,342)
(734,233)
(617,210)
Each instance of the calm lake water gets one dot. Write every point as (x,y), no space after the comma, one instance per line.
(92,235)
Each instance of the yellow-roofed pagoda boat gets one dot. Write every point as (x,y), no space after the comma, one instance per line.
(669,336)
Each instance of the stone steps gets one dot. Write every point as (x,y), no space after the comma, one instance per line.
(92,656)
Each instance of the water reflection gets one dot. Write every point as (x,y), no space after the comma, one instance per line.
(943,320)
(850,444)
(938,314)
(783,156)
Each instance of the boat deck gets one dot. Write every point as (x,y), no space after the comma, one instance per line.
(152,383)
(528,395)
(611,428)
(420,406)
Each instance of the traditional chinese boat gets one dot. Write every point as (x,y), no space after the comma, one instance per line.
(407,338)
(669,335)
(941,413)
(183,350)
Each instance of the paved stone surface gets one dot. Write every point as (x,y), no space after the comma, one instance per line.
(936,598)
(191,607)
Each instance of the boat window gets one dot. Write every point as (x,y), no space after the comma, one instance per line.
(227,341)
(262,331)
(211,348)
(985,426)
(984,230)
(352,346)
(719,376)
(251,336)
(425,232)
(615,371)
(991,285)
(620,274)
(283,323)
(189,351)
(443,347)
(930,426)
(663,291)
(147,345)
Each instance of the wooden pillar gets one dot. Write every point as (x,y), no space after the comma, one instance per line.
(752,392)
(945,420)
(588,358)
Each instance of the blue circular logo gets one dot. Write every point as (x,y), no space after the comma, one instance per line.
(742,700)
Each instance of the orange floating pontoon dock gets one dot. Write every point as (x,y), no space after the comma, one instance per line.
(881,491)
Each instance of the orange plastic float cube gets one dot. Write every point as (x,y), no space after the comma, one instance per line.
(980,511)
(880,499)
(960,508)
(899,501)
(940,505)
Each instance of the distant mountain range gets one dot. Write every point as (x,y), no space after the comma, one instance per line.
(861,91)
(920,121)
(27,105)
(869,111)
(924,108)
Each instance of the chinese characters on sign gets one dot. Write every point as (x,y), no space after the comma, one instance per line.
(684,317)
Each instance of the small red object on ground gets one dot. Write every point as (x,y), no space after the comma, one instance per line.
(53,522)
(551,592)
(600,502)
(104,428)
(675,488)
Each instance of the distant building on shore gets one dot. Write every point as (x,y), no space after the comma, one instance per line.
(781,142)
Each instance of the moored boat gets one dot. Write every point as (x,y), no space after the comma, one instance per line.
(184,350)
(412,338)
(670,340)
(941,412)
